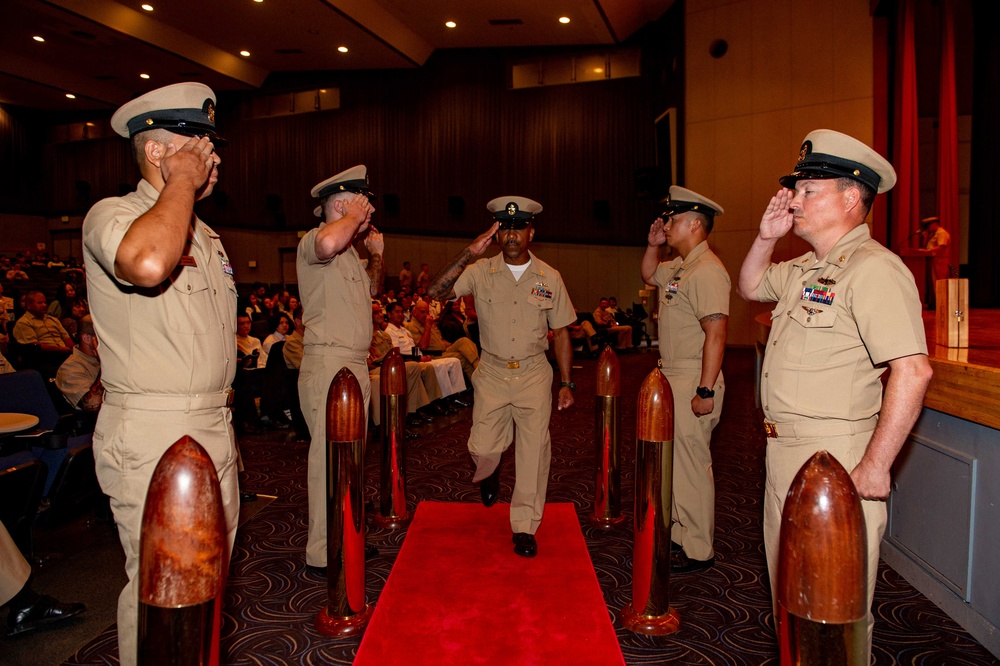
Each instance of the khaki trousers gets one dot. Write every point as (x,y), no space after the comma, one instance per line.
(14,569)
(129,440)
(785,457)
(507,398)
(692,503)
(416,394)
(319,367)
(465,351)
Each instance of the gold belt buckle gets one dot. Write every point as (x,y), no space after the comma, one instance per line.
(513,365)
(230,395)
(771,429)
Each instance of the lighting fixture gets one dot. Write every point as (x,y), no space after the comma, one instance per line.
(70,96)
(144,76)
(450,24)
(245,53)
(38,38)
(564,20)
(342,49)
(147,8)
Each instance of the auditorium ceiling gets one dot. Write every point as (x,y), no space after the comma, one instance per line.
(97,51)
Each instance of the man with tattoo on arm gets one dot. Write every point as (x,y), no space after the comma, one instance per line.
(518,298)
(694,314)
(336,293)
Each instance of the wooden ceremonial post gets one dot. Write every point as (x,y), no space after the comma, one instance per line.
(822,569)
(607,421)
(952,313)
(182,560)
(392,482)
(649,612)
(347,612)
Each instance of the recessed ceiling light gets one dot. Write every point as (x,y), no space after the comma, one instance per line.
(245,53)
(564,19)
(148,8)
(342,49)
(450,24)
(144,76)
(598,70)
(258,1)
(38,38)
(70,96)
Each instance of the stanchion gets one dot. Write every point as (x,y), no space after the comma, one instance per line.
(392,512)
(649,612)
(347,612)
(607,421)
(182,560)
(822,569)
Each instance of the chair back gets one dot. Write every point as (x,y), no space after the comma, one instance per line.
(24,392)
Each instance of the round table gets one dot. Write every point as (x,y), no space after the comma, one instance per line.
(11,422)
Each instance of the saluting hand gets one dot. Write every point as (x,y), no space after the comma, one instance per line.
(359,210)
(192,162)
(374,241)
(777,220)
(657,233)
(483,241)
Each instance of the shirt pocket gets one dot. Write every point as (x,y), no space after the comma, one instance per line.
(818,328)
(189,308)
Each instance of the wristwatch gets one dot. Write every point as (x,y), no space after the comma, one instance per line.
(570,385)
(704,392)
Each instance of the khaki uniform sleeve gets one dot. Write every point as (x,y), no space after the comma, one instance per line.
(772,285)
(562,313)
(307,248)
(660,275)
(709,294)
(888,316)
(468,280)
(103,230)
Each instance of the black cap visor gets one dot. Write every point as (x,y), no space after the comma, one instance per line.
(818,166)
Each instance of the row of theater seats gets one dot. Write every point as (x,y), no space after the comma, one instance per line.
(51,465)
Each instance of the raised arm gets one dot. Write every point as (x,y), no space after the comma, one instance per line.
(152,247)
(901,405)
(776,222)
(441,286)
(335,236)
(375,245)
(650,260)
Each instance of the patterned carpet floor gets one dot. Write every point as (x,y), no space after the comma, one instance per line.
(725,612)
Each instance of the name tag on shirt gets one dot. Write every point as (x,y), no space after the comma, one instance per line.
(187,260)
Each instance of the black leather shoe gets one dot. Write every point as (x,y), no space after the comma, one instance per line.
(425,415)
(681,563)
(414,421)
(458,402)
(676,547)
(248,496)
(45,610)
(409,434)
(524,544)
(437,409)
(489,488)
(370,552)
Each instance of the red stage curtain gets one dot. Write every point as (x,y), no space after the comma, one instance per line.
(947,168)
(906,194)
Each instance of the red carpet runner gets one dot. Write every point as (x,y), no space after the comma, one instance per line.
(458,594)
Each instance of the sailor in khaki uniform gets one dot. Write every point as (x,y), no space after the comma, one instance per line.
(518,298)
(693,317)
(845,312)
(336,292)
(163,300)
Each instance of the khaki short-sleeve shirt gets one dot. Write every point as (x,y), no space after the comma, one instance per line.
(176,338)
(690,289)
(77,375)
(515,317)
(837,322)
(45,330)
(336,298)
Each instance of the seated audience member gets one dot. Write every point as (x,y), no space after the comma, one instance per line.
(27,610)
(424,329)
(55,262)
(269,308)
(247,383)
(59,307)
(78,309)
(38,327)
(626,318)
(5,365)
(422,386)
(604,319)
(448,370)
(282,325)
(16,273)
(6,316)
(79,377)
(452,323)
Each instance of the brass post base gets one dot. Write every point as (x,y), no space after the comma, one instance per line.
(343,627)
(605,522)
(651,625)
(391,522)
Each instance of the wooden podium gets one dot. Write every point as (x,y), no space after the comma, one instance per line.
(919,263)
(952,315)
